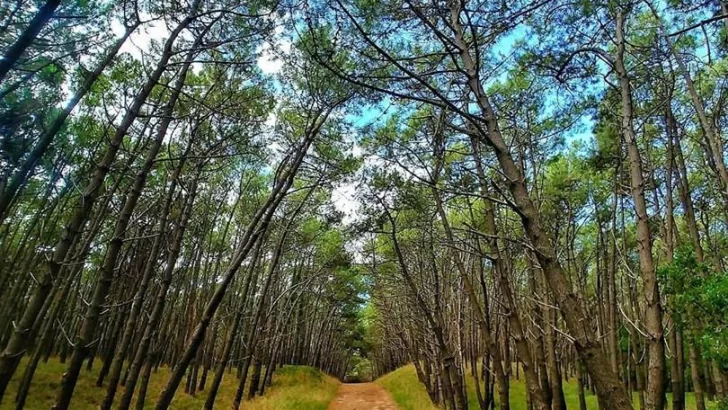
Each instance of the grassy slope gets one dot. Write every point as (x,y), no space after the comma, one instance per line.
(294,388)
(411,395)
(405,389)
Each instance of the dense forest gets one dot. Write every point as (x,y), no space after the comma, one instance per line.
(496,193)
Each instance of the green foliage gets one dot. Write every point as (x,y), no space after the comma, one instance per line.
(698,299)
(360,369)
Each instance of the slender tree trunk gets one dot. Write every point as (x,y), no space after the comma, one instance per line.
(108,353)
(676,370)
(255,229)
(540,349)
(473,298)
(613,326)
(580,381)
(144,379)
(156,316)
(138,301)
(252,339)
(13,54)
(535,390)
(251,279)
(695,374)
(18,179)
(15,348)
(255,378)
(609,389)
(46,335)
(106,274)
(557,391)
(653,315)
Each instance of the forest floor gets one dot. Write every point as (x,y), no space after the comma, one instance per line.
(410,394)
(294,388)
(362,396)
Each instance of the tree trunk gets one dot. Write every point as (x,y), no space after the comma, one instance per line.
(18,179)
(138,301)
(13,54)
(156,316)
(16,346)
(106,274)
(251,279)
(695,374)
(653,315)
(255,229)
(609,389)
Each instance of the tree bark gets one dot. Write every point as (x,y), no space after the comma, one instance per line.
(653,314)
(255,229)
(13,54)
(155,318)
(18,179)
(609,389)
(20,339)
(138,301)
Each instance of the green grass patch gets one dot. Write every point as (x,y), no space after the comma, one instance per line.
(410,394)
(297,388)
(294,388)
(406,389)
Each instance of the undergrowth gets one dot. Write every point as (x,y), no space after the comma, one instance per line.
(294,388)
(410,394)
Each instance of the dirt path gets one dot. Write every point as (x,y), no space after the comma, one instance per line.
(362,396)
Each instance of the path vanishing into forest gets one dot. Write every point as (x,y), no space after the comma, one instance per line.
(362,396)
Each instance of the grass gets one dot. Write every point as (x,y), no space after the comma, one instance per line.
(294,388)
(298,388)
(406,389)
(410,394)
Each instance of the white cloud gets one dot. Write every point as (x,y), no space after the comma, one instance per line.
(268,62)
(272,118)
(344,199)
(140,42)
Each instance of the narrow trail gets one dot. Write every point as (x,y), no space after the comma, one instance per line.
(362,396)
